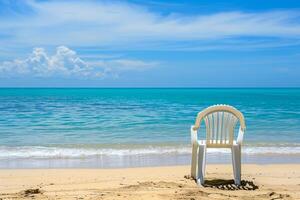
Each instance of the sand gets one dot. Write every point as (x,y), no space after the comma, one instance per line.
(259,182)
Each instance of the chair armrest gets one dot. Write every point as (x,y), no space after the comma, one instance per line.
(240,136)
(194,137)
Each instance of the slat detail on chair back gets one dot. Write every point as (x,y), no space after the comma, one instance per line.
(220,128)
(220,122)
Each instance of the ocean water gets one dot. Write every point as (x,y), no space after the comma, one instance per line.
(138,127)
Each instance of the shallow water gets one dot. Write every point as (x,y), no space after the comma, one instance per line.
(60,124)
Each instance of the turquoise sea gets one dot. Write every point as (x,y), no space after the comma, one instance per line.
(138,127)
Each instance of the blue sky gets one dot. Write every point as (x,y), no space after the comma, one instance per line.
(154,43)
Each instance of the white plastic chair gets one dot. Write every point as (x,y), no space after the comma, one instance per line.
(220,122)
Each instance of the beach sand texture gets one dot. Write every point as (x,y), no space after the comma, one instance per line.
(259,182)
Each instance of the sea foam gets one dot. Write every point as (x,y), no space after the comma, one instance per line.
(40,152)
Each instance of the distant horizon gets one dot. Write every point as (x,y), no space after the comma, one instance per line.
(149,87)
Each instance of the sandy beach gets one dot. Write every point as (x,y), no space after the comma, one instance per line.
(281,181)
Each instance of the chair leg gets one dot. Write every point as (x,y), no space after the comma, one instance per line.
(194,161)
(201,164)
(236,163)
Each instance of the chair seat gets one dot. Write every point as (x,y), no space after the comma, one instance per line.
(204,142)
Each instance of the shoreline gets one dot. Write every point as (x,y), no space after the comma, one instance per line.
(280,181)
(135,161)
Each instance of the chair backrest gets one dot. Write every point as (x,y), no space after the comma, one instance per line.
(220,122)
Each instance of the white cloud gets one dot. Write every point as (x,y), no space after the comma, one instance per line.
(66,63)
(111,24)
